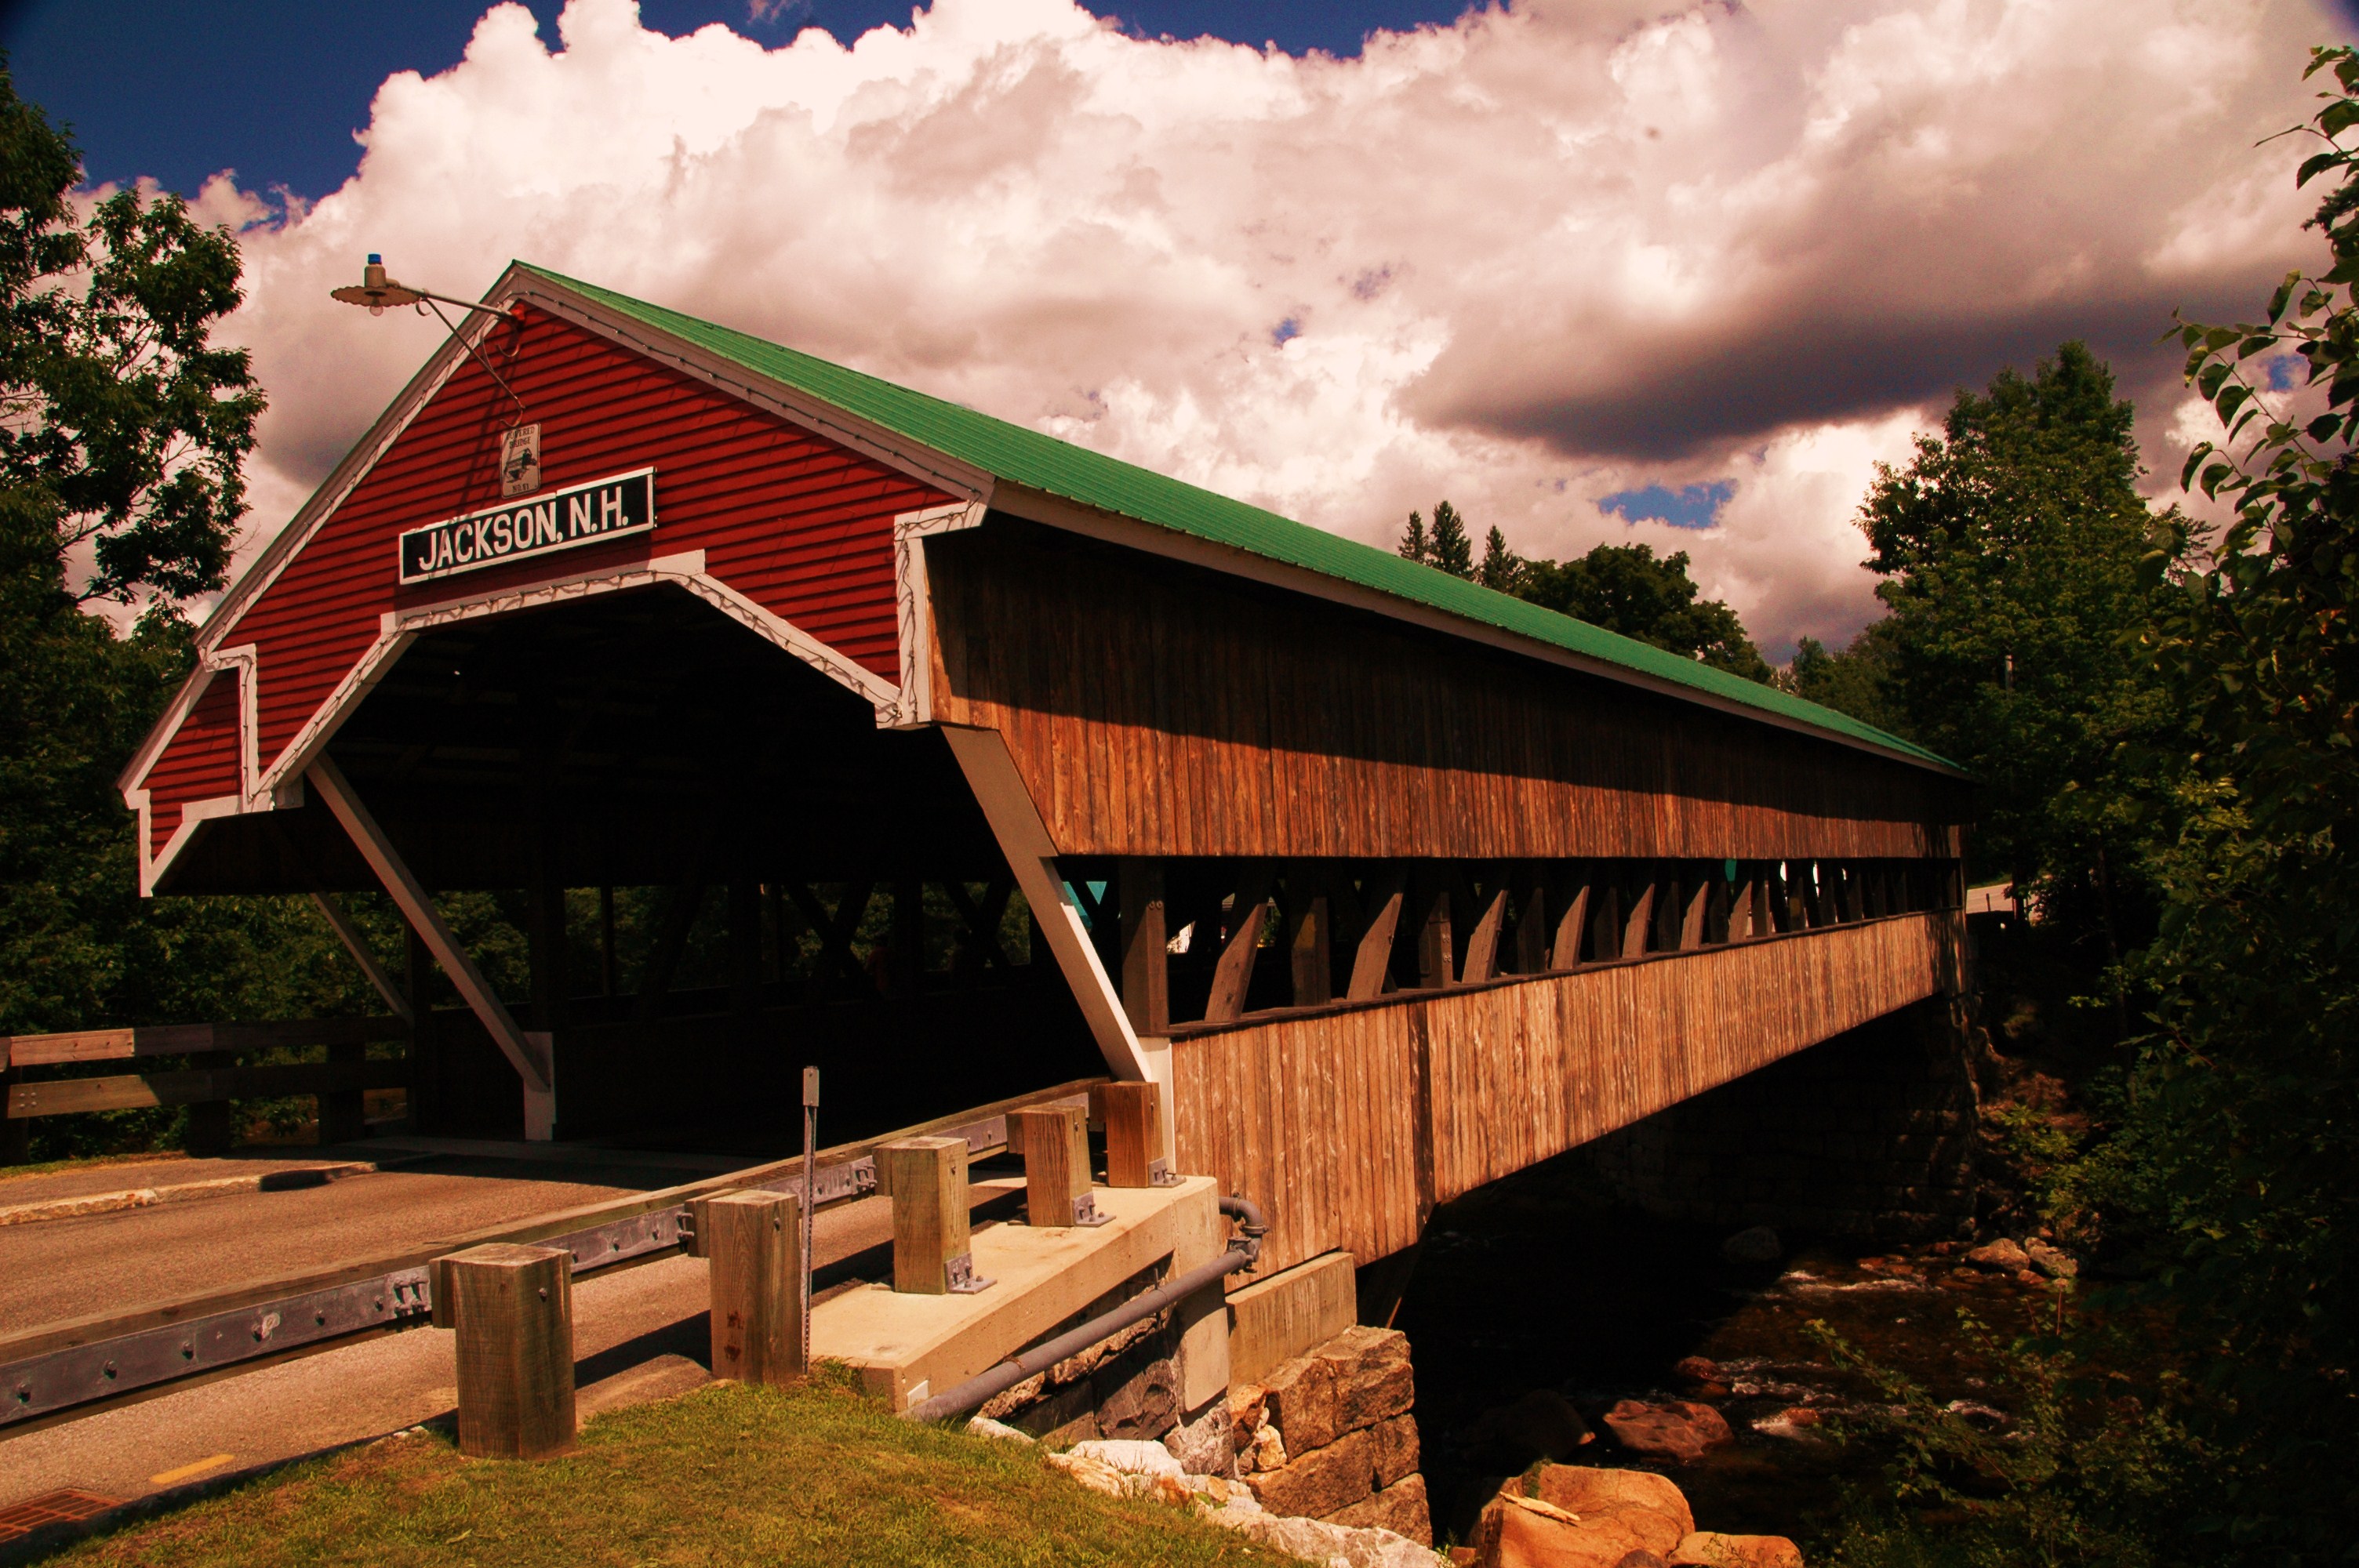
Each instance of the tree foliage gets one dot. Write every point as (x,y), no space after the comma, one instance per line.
(120,449)
(2010,548)
(1446,547)
(2245,1110)
(1629,588)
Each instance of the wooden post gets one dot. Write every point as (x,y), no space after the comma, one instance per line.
(513,1309)
(753,1240)
(1633,925)
(926,1179)
(744,946)
(1381,902)
(16,1131)
(545,947)
(905,956)
(1535,936)
(1132,1115)
(1490,911)
(344,1113)
(1564,951)
(1695,887)
(1437,948)
(212,1123)
(1146,945)
(1308,934)
(1055,1140)
(427,1111)
(1232,976)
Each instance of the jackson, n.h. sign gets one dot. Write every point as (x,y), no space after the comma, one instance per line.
(536,526)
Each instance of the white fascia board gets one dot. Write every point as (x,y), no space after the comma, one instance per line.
(913,606)
(1073,518)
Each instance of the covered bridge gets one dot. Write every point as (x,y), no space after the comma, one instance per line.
(1396,884)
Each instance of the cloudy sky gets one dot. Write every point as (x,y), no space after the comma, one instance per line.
(1562,263)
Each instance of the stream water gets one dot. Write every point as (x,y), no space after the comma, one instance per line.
(1540,1293)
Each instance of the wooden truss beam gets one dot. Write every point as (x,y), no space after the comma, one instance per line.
(527,1056)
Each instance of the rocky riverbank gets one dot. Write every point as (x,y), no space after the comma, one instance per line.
(1550,1324)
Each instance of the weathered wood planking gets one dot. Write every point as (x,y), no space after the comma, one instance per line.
(200,1085)
(184,1039)
(1154,710)
(1350,1127)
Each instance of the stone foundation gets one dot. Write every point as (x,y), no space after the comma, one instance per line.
(1870,1135)
(1330,1436)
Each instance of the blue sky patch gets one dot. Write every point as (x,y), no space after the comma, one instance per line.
(2283,368)
(1286,331)
(1692,506)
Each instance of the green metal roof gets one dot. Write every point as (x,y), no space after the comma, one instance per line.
(1042,462)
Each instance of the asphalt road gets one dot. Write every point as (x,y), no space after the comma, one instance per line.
(639,1332)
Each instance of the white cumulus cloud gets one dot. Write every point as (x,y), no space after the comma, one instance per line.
(1547,254)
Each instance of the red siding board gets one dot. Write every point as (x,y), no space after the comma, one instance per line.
(201,762)
(796,522)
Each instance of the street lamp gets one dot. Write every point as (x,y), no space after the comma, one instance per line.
(380,292)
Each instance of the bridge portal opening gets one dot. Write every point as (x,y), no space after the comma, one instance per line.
(695,863)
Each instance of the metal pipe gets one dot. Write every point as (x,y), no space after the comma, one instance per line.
(1243,1250)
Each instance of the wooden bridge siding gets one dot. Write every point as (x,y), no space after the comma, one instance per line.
(1156,710)
(1352,1126)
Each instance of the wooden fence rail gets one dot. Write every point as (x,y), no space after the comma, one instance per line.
(210,1079)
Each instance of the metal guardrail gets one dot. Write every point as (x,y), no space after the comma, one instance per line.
(196,1337)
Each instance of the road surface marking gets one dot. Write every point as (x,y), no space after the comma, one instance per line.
(189,1471)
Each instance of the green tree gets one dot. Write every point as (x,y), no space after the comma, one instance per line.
(1627,589)
(1856,679)
(1452,551)
(2010,549)
(2243,1131)
(119,480)
(1416,544)
(1502,569)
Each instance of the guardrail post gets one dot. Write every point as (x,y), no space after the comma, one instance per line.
(16,1131)
(513,1309)
(753,1240)
(926,1179)
(1055,1143)
(1134,1134)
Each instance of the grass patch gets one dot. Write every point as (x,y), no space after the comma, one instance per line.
(88,1162)
(728,1474)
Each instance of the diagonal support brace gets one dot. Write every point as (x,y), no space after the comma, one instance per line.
(524,1053)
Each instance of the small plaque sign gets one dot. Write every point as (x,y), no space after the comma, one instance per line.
(578,514)
(520,461)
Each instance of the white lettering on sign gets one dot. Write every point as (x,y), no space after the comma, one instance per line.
(578,514)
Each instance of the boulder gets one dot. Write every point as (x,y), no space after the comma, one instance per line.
(1400,1507)
(1300,1401)
(1640,1559)
(1268,1450)
(1131,1456)
(1655,1510)
(1710,1549)
(1322,1542)
(1321,1482)
(1696,1369)
(1752,1247)
(1248,1412)
(1095,1474)
(1681,1430)
(2052,1261)
(2001,1255)
(1204,1447)
(1373,1379)
(1392,1445)
(1137,1396)
(1529,1533)
(983,1426)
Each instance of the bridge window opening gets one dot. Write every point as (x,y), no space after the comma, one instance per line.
(1242,940)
